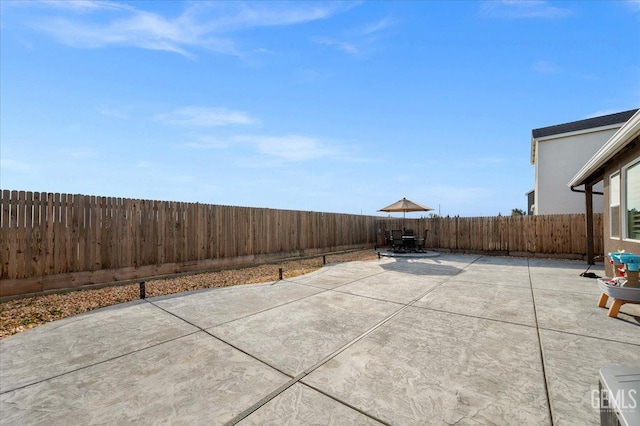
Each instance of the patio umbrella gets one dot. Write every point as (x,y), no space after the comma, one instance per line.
(405,206)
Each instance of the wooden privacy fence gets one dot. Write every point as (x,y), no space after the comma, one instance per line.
(55,241)
(548,235)
(50,242)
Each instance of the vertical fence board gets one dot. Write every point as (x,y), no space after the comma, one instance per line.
(27,207)
(14,236)
(5,229)
(36,236)
(22,234)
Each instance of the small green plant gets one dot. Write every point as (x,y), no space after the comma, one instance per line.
(28,321)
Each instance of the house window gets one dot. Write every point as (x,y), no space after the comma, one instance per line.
(632,200)
(614,205)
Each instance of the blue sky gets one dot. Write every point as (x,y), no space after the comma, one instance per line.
(324,106)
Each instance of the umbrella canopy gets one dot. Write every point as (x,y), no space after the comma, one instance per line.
(404,206)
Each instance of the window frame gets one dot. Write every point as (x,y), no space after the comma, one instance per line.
(623,200)
(616,174)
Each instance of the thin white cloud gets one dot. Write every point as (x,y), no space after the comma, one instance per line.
(340,45)
(634,5)
(202,25)
(250,150)
(360,40)
(480,162)
(292,147)
(237,16)
(197,116)
(86,6)
(546,67)
(376,27)
(523,9)
(145,165)
(264,51)
(309,75)
(207,142)
(115,112)
(18,166)
(81,153)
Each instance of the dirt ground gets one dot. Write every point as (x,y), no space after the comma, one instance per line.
(22,314)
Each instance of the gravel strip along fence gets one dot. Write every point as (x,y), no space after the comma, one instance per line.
(22,314)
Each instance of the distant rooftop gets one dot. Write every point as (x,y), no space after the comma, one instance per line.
(589,123)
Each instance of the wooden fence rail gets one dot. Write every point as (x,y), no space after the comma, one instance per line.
(50,242)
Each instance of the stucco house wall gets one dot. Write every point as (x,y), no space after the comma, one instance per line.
(617,243)
(558,159)
(559,151)
(619,155)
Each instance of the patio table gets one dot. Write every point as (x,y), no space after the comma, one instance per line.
(409,242)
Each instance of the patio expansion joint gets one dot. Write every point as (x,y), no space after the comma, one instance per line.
(368,297)
(541,351)
(493,284)
(338,286)
(324,290)
(263,310)
(266,399)
(602,339)
(443,311)
(553,290)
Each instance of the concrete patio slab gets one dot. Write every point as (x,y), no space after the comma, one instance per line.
(296,336)
(451,339)
(425,367)
(503,303)
(336,275)
(207,309)
(498,270)
(405,287)
(572,284)
(195,379)
(514,263)
(301,405)
(75,342)
(572,364)
(578,313)
(505,278)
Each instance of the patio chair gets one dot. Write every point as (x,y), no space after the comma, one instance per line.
(396,239)
(420,242)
